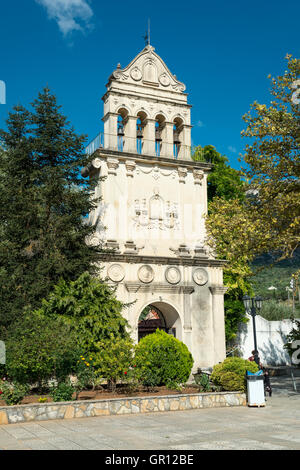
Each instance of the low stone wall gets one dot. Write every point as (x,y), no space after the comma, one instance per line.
(116,406)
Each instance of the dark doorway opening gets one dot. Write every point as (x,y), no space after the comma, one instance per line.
(150,319)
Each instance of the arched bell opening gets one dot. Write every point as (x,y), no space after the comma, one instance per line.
(160,123)
(159,315)
(177,136)
(140,129)
(121,125)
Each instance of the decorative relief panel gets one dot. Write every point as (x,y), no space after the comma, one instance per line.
(150,68)
(155,213)
(200,276)
(136,74)
(146,274)
(164,79)
(157,172)
(173,275)
(116,272)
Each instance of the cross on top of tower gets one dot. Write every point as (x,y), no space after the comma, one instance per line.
(147,35)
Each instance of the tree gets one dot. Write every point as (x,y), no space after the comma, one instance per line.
(223,181)
(89,305)
(226,187)
(267,219)
(274,161)
(43,207)
(40,348)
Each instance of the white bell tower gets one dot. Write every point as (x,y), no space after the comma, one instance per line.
(153,203)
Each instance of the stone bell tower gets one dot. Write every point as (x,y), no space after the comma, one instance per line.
(151,215)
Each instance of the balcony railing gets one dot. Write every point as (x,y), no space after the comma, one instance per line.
(138,146)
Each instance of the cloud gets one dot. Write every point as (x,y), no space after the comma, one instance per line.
(70,15)
(232,149)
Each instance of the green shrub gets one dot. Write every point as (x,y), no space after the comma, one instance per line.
(202,380)
(13,392)
(62,392)
(161,359)
(113,359)
(90,306)
(38,349)
(230,374)
(85,374)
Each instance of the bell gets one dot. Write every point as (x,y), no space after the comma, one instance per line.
(158,135)
(139,134)
(121,131)
(176,138)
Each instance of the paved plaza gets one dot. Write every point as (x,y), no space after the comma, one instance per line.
(274,427)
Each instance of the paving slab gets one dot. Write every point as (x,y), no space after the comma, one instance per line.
(273,427)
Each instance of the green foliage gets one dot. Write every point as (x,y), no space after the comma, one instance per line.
(162,359)
(222,181)
(113,358)
(43,204)
(85,373)
(13,392)
(40,348)
(230,374)
(202,380)
(234,315)
(90,307)
(268,272)
(62,392)
(273,310)
(225,184)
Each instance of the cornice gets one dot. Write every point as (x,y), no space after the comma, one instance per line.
(161,287)
(206,167)
(163,260)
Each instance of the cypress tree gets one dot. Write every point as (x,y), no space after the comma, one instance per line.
(44,204)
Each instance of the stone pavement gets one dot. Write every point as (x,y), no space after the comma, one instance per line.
(274,427)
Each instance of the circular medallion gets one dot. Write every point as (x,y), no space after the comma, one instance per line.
(200,276)
(136,74)
(116,272)
(173,275)
(145,273)
(164,79)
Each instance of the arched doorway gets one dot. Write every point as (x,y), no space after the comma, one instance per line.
(159,315)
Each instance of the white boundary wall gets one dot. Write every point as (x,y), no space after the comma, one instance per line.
(271,337)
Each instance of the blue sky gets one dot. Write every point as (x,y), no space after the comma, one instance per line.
(222,51)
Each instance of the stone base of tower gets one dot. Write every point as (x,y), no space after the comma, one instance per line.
(182,294)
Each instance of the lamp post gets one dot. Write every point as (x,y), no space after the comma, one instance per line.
(251,305)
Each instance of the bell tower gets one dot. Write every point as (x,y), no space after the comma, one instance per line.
(153,202)
(146,110)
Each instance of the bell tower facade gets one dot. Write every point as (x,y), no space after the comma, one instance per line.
(150,219)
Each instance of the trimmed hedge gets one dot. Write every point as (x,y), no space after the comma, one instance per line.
(161,359)
(230,374)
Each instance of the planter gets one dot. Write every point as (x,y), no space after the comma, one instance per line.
(117,406)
